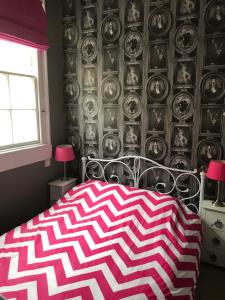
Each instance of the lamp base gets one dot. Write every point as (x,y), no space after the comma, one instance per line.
(64,178)
(218,203)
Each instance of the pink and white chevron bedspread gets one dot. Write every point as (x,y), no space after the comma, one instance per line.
(103,241)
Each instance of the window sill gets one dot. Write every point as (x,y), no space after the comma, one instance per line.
(24,156)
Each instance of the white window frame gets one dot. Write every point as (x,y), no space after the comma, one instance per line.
(22,156)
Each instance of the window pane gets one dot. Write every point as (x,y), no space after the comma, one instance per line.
(5,128)
(24,124)
(19,105)
(18,58)
(22,92)
(4,98)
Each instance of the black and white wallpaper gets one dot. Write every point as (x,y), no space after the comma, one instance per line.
(145,77)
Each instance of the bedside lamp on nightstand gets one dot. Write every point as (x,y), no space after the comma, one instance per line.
(64,153)
(216,171)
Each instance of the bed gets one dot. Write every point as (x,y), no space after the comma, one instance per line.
(107,240)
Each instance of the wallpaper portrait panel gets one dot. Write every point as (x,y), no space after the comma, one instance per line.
(145,77)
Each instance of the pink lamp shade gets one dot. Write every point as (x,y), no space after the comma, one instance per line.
(64,153)
(216,170)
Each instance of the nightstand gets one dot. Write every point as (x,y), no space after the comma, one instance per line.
(59,187)
(213,219)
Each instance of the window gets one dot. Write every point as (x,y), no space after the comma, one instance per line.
(24,111)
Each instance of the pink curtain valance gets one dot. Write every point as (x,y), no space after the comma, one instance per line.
(24,22)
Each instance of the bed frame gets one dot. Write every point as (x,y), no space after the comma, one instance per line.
(137,168)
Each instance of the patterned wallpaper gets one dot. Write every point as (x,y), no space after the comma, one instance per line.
(145,77)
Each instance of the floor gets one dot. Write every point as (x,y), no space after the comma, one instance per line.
(211,284)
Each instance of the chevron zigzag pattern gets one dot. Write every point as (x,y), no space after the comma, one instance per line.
(104,241)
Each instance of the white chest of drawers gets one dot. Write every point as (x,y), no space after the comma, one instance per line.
(213,221)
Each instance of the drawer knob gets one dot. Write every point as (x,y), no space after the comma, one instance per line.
(213,258)
(216,241)
(218,224)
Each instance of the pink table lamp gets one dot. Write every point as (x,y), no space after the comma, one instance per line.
(216,171)
(64,153)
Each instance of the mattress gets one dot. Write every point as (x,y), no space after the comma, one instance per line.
(104,241)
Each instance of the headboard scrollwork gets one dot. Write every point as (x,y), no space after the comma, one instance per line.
(146,173)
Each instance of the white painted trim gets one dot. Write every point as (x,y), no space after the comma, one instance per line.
(44,111)
(21,156)
(24,156)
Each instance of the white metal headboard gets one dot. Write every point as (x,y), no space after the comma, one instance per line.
(139,167)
